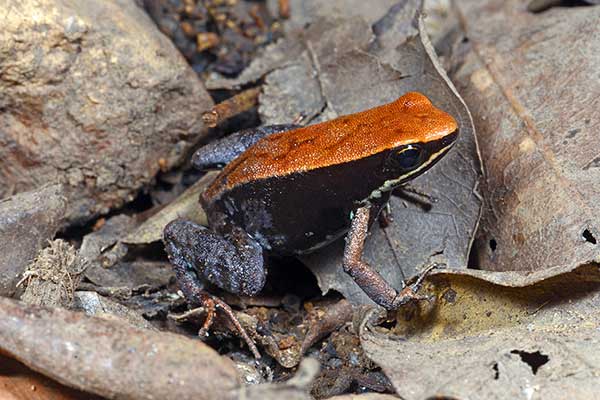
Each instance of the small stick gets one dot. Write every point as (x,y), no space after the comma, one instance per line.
(231,107)
(284,9)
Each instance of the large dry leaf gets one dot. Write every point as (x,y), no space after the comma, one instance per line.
(481,340)
(112,358)
(534,91)
(361,77)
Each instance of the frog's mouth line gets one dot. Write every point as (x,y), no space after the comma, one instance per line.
(439,148)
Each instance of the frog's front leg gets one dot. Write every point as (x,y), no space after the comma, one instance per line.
(233,262)
(369,280)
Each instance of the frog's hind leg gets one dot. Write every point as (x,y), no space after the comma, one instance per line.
(234,263)
(220,152)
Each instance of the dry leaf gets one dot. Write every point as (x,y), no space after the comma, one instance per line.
(186,206)
(115,360)
(533,91)
(92,304)
(480,340)
(531,331)
(355,79)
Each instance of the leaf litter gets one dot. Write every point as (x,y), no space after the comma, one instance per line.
(514,334)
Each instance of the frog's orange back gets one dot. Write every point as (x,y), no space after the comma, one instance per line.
(410,119)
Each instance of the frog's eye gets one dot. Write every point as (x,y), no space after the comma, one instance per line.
(408,157)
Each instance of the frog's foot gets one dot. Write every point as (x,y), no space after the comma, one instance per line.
(195,294)
(410,292)
(422,200)
(210,304)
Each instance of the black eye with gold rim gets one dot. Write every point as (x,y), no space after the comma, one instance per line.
(407,158)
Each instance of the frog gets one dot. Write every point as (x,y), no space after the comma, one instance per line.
(289,190)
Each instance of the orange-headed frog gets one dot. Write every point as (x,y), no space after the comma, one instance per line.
(290,190)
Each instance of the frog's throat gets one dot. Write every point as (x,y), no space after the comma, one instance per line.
(392,183)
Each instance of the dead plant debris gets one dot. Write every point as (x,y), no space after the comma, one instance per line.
(100,311)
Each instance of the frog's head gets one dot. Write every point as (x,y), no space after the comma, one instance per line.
(417,138)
